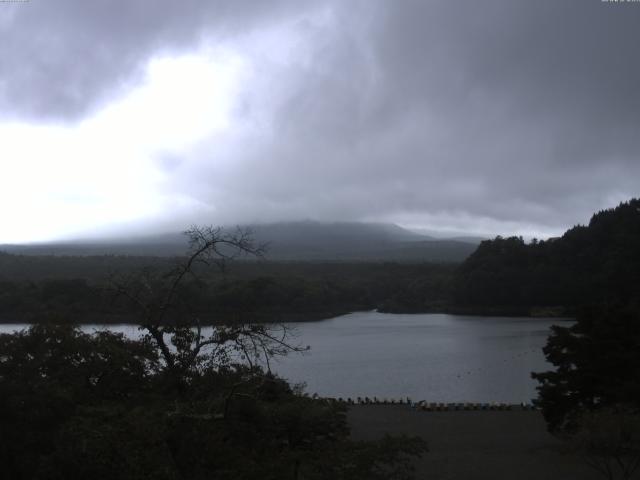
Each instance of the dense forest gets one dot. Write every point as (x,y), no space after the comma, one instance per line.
(596,263)
(78,288)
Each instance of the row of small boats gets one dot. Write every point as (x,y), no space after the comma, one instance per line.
(423,405)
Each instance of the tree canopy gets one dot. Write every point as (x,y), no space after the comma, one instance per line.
(596,263)
(597,362)
(176,403)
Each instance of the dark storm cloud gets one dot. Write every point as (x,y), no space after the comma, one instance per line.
(493,116)
(60,58)
(501,111)
(540,98)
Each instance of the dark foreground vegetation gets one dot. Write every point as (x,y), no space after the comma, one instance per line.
(104,407)
(592,397)
(175,404)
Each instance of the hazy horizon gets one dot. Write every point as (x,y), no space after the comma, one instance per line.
(136,234)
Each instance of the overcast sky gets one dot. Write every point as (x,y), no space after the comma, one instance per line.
(491,117)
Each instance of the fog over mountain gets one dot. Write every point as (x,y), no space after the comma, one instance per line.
(459,117)
(292,241)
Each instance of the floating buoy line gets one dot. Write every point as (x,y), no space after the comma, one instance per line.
(425,406)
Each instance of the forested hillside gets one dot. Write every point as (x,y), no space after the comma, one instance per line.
(597,263)
(78,289)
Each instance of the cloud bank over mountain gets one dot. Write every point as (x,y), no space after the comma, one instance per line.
(485,117)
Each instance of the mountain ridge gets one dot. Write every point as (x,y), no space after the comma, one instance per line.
(286,241)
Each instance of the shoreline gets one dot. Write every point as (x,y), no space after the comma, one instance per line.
(290,317)
(474,445)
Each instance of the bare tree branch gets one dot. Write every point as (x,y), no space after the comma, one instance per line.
(159,301)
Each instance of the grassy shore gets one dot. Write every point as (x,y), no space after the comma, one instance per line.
(475,445)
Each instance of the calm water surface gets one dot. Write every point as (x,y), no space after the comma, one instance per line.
(434,357)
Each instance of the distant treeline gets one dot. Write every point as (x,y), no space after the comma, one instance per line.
(594,264)
(78,289)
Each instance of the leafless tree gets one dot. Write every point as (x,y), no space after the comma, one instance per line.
(171,324)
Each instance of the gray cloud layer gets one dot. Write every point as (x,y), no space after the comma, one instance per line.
(63,57)
(485,116)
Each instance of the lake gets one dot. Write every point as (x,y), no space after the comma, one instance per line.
(433,357)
